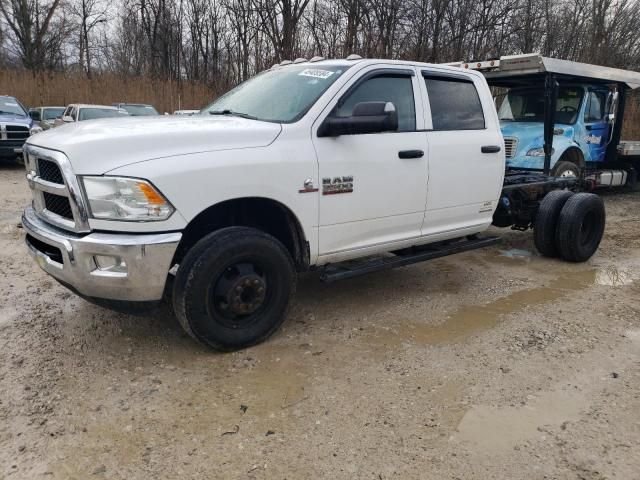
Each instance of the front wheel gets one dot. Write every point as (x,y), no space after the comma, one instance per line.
(233,287)
(565,169)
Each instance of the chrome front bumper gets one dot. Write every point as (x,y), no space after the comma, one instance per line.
(143,260)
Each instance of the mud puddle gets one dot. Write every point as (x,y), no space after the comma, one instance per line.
(475,319)
(487,429)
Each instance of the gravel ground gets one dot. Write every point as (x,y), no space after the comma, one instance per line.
(491,364)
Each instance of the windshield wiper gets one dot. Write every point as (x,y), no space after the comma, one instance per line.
(232,113)
(12,113)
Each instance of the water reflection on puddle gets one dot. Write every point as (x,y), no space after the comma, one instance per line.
(612,276)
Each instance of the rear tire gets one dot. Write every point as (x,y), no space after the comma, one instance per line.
(580,227)
(233,287)
(544,228)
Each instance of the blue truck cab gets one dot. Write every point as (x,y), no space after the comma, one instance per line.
(563,118)
(15,127)
(582,127)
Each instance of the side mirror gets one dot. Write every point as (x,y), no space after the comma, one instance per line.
(35,115)
(67,119)
(367,117)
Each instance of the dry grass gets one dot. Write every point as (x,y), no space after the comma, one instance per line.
(64,88)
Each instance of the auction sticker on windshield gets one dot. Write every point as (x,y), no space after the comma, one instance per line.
(316,73)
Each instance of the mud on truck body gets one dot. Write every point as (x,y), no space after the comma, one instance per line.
(341,166)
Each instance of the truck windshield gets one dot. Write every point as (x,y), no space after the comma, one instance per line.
(139,110)
(11,105)
(52,113)
(281,95)
(93,113)
(528,105)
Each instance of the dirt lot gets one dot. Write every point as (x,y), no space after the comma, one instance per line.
(492,364)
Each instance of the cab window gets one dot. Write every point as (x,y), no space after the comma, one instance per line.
(527,105)
(455,104)
(397,89)
(594,109)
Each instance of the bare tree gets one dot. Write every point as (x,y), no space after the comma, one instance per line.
(89,14)
(29,23)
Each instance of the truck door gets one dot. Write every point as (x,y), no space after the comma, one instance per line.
(466,154)
(374,185)
(597,128)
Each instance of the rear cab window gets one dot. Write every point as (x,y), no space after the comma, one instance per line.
(454,102)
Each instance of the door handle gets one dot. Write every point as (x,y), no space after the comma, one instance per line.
(490,149)
(410,154)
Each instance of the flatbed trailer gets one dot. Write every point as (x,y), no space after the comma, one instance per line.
(618,161)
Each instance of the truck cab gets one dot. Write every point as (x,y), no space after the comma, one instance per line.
(582,128)
(563,118)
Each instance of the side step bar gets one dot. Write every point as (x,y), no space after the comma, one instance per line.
(340,271)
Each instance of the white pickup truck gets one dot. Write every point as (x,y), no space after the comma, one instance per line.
(302,167)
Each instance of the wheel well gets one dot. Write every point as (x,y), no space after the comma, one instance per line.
(574,155)
(264,214)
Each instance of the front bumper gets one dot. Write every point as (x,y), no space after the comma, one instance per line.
(11,148)
(144,260)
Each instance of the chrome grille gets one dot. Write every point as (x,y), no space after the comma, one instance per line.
(50,171)
(58,205)
(510,147)
(55,189)
(17,132)
(9,133)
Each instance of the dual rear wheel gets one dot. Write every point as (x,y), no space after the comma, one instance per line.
(569,226)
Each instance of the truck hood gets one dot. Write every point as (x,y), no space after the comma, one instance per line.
(530,135)
(15,119)
(97,146)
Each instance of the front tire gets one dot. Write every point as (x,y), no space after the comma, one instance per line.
(233,287)
(565,169)
(580,227)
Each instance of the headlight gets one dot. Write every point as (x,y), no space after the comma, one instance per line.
(35,129)
(538,152)
(128,199)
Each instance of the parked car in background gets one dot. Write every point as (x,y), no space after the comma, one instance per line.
(186,112)
(45,116)
(15,127)
(137,109)
(79,112)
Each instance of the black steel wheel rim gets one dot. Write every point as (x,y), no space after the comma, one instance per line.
(240,293)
